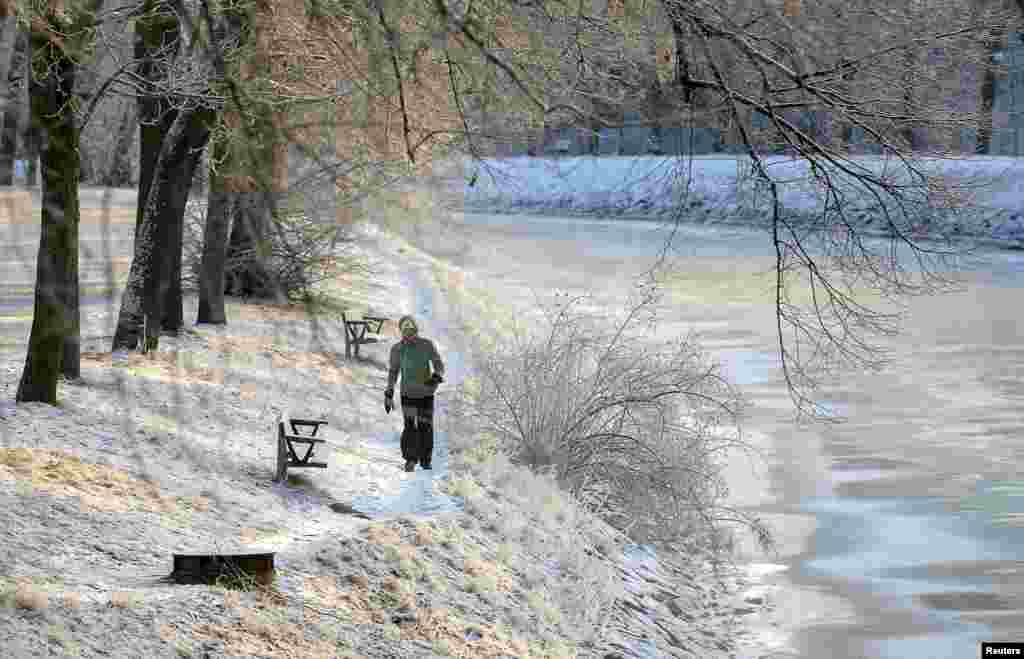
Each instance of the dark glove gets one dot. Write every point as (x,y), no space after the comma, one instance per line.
(389,401)
(435,380)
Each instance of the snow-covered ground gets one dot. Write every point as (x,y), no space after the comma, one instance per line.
(721,189)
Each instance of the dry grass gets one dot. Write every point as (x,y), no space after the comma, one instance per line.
(541,604)
(169,367)
(450,535)
(232,599)
(98,487)
(505,553)
(448,633)
(30,597)
(72,600)
(536,521)
(424,535)
(112,215)
(464,486)
(234,344)
(270,312)
(187,367)
(59,634)
(485,576)
(123,600)
(401,552)
(259,633)
(250,535)
(354,604)
(383,535)
(16,208)
(326,364)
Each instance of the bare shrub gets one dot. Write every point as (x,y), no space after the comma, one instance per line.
(635,433)
(304,252)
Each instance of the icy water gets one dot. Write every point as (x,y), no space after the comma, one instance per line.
(896,528)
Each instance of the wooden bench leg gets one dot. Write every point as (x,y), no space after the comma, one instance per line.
(282,461)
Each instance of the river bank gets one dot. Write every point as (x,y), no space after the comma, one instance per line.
(896,528)
(148,456)
(719,191)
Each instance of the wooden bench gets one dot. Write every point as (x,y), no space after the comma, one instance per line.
(356,332)
(288,436)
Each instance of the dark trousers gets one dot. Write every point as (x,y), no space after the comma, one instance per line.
(418,432)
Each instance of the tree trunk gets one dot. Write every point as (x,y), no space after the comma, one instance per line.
(120,173)
(249,245)
(10,105)
(8,147)
(155,113)
(988,94)
(8,37)
(31,137)
(682,64)
(54,340)
(219,212)
(909,95)
(197,134)
(142,300)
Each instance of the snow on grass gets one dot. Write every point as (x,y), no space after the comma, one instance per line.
(721,188)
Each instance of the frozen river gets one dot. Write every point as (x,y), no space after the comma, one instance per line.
(896,527)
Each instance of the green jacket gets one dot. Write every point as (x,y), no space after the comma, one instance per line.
(413,360)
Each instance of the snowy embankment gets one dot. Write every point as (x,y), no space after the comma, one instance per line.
(720,189)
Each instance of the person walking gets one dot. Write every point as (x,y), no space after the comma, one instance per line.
(412,358)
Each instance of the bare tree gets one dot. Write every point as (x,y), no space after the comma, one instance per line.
(787,66)
(156,50)
(9,102)
(54,341)
(993,42)
(176,114)
(219,211)
(197,134)
(144,294)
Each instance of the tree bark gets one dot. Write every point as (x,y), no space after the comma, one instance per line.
(119,174)
(248,244)
(142,301)
(8,36)
(219,212)
(266,156)
(8,147)
(9,102)
(31,137)
(155,113)
(197,134)
(988,94)
(682,64)
(54,340)
(911,96)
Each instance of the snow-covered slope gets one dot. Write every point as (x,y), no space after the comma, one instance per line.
(721,189)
